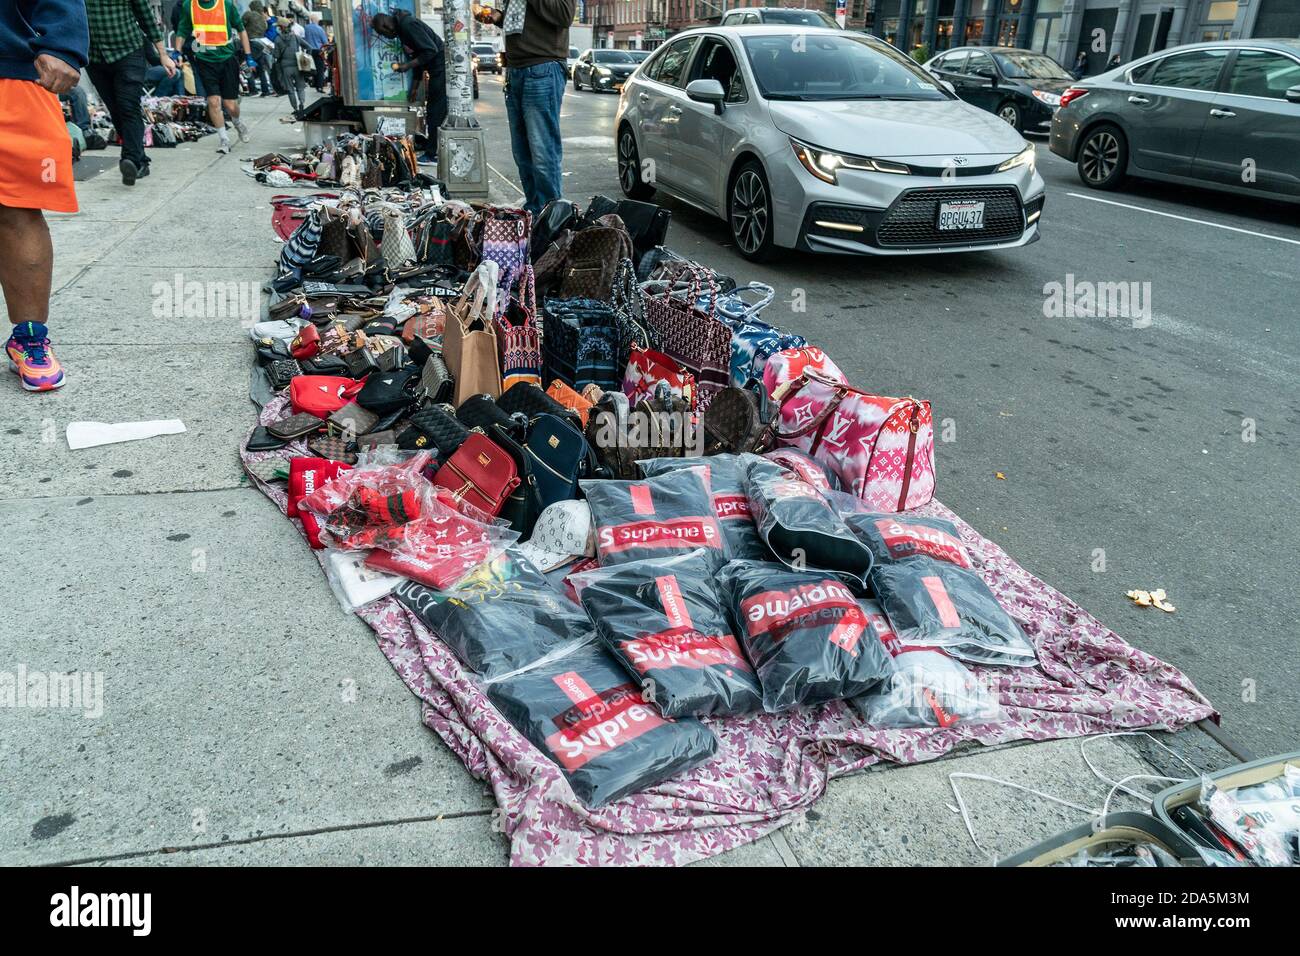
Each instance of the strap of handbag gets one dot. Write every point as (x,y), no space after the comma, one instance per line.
(625,297)
(701,279)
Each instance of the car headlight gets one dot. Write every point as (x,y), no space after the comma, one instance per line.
(1051,99)
(824,164)
(601,71)
(1025,157)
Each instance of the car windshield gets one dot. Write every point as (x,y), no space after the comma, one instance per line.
(803,18)
(1030,66)
(483,48)
(613,56)
(845,66)
(638,55)
(573,53)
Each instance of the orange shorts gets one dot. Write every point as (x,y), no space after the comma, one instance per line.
(35,149)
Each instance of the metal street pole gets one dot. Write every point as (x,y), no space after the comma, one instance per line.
(462,153)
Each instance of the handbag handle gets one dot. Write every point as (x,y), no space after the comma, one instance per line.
(792,387)
(624,292)
(765,293)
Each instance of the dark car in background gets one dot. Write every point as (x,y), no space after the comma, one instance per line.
(1225,115)
(1022,87)
(487,57)
(603,70)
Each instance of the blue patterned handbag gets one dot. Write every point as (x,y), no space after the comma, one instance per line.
(752,340)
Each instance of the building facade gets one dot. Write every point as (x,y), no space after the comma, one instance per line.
(1060,28)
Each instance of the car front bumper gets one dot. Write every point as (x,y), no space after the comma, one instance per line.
(883,214)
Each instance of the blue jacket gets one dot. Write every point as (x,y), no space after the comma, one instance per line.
(29,28)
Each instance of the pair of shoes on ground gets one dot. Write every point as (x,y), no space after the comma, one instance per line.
(32,358)
(131,172)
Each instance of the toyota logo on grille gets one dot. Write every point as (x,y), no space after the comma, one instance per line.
(959,160)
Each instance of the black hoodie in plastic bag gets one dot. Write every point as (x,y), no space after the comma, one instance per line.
(898,537)
(663,619)
(939,605)
(730,504)
(655,518)
(799,525)
(806,633)
(583,712)
(502,617)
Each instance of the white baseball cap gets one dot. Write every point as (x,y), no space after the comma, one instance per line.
(563,533)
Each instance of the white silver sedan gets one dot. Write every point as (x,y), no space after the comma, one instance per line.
(823,140)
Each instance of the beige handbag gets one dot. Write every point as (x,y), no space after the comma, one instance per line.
(469,342)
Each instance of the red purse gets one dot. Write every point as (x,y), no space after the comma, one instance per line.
(479,472)
(322,394)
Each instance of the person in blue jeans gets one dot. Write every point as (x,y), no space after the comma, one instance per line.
(536,46)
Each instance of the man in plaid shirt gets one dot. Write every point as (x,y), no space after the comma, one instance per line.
(120,32)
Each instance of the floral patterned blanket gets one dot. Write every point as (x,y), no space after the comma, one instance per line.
(771,766)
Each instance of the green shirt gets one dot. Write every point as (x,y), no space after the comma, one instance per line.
(119,28)
(234,23)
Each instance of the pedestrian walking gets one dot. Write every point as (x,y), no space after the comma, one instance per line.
(288,44)
(255,24)
(215,27)
(425,56)
(536,47)
(1080,65)
(316,38)
(119,30)
(44,45)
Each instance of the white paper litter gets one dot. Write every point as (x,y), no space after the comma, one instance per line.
(90,434)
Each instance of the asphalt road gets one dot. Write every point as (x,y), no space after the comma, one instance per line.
(1157,457)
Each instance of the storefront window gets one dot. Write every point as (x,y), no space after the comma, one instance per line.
(1222,10)
(974,32)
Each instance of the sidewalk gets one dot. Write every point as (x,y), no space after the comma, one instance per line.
(246,718)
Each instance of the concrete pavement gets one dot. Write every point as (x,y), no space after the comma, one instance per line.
(246,718)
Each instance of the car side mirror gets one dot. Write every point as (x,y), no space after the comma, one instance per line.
(707,91)
(1293,95)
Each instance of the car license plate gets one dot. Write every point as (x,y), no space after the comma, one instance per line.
(961,215)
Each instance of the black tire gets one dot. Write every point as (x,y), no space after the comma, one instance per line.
(1010,114)
(576,85)
(629,167)
(749,212)
(1103,157)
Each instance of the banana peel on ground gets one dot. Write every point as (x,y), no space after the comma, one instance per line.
(1156,598)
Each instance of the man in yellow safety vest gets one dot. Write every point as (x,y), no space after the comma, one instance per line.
(215,26)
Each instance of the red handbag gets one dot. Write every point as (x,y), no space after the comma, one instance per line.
(479,472)
(322,394)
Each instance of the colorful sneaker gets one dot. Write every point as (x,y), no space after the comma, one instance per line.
(31,357)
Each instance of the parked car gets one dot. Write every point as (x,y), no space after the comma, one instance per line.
(487,57)
(783,15)
(1225,115)
(603,70)
(474,67)
(638,55)
(837,143)
(571,59)
(1022,87)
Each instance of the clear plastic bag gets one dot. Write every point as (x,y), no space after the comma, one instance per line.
(933,604)
(409,526)
(582,711)
(727,485)
(659,517)
(665,622)
(355,585)
(928,689)
(503,616)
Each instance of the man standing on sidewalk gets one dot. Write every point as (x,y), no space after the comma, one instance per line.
(43,46)
(118,30)
(316,38)
(215,26)
(426,54)
(537,44)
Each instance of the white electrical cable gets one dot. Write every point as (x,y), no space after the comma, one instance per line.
(961,804)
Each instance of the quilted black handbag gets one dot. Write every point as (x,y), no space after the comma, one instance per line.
(434,426)
(530,401)
(482,412)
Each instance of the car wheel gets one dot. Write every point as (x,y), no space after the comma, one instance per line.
(1103,157)
(1009,113)
(576,84)
(749,212)
(629,168)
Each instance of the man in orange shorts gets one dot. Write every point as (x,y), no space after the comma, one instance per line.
(43,47)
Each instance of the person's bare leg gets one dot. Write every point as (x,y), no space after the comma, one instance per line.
(214,112)
(232,107)
(27,266)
